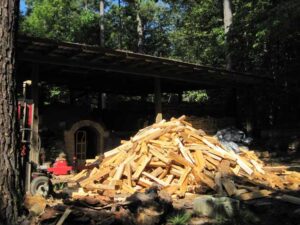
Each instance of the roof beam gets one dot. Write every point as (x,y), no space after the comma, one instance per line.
(93,66)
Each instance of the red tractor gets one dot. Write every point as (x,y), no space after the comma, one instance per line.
(40,180)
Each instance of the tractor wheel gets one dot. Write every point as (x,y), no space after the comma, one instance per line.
(40,185)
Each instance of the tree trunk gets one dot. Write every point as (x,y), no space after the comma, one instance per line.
(9,160)
(120,24)
(140,29)
(101,13)
(227,23)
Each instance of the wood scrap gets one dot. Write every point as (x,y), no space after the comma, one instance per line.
(64,216)
(180,158)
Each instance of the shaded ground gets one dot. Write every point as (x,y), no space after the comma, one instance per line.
(264,211)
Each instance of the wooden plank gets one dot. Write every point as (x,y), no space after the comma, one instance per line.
(175,172)
(210,166)
(179,168)
(244,166)
(79,176)
(278,169)
(229,186)
(157,171)
(169,179)
(145,183)
(236,169)
(184,175)
(120,160)
(156,153)
(163,144)
(128,171)
(117,184)
(196,173)
(129,159)
(199,160)
(139,137)
(133,166)
(197,145)
(177,158)
(155,134)
(94,171)
(257,166)
(254,195)
(113,158)
(211,155)
(157,164)
(141,168)
(208,181)
(119,172)
(128,189)
(157,180)
(224,167)
(166,124)
(209,144)
(64,217)
(218,182)
(183,188)
(165,172)
(171,189)
(144,148)
(123,147)
(93,187)
(96,177)
(213,161)
(183,151)
(290,199)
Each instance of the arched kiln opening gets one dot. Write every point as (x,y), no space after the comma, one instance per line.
(84,141)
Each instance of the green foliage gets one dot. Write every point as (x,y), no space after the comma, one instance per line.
(59,20)
(198,35)
(264,33)
(122,26)
(180,219)
(195,96)
(263,39)
(55,94)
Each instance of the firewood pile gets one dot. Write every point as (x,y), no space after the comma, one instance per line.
(181,160)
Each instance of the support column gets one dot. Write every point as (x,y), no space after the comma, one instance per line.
(157,100)
(179,97)
(234,105)
(35,140)
(99,101)
(251,117)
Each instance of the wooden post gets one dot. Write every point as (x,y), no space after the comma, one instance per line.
(157,100)
(35,141)
(180,97)
(99,101)
(234,107)
(251,117)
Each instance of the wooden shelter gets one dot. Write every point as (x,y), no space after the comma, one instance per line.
(85,67)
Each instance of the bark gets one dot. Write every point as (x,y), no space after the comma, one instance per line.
(140,32)
(9,179)
(227,23)
(139,28)
(101,24)
(120,25)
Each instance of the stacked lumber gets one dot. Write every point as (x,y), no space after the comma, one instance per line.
(180,159)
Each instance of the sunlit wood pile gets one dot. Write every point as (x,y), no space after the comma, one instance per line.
(181,160)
